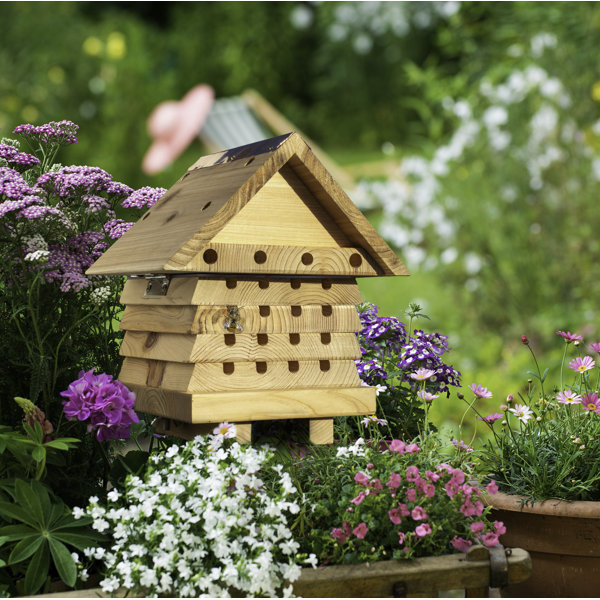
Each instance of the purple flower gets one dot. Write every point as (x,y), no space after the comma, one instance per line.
(582,364)
(480,391)
(18,159)
(12,184)
(144,197)
(116,228)
(57,132)
(591,403)
(569,337)
(491,418)
(106,403)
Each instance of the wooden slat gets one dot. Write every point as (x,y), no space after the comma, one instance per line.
(295,260)
(239,347)
(211,319)
(239,291)
(321,431)
(255,405)
(217,377)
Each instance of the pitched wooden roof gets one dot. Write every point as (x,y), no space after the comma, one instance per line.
(291,200)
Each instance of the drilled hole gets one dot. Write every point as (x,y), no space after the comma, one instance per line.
(294,338)
(229,339)
(324,365)
(295,284)
(210,256)
(248,161)
(260,257)
(228,368)
(261,367)
(262,339)
(231,283)
(326,310)
(296,311)
(326,284)
(263,284)
(170,217)
(325,338)
(206,205)
(293,366)
(355,260)
(307,258)
(264,311)
(145,216)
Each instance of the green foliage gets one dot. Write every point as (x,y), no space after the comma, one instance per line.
(38,533)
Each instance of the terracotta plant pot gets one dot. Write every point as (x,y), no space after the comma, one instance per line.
(563,540)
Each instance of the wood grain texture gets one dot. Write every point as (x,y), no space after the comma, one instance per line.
(321,431)
(239,376)
(171,235)
(212,319)
(240,291)
(220,348)
(295,260)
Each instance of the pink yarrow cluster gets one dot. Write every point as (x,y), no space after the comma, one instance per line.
(106,403)
(410,496)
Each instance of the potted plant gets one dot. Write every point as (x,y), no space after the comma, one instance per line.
(543,455)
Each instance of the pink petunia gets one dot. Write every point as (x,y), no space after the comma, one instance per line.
(490,539)
(569,337)
(358,500)
(361,478)
(403,510)
(422,530)
(398,446)
(429,490)
(401,536)
(477,526)
(412,473)
(395,481)
(491,487)
(568,397)
(411,494)
(360,530)
(480,391)
(418,514)
(394,515)
(412,448)
(499,527)
(461,544)
(582,365)
(590,402)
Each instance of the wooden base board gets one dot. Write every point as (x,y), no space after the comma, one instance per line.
(256,405)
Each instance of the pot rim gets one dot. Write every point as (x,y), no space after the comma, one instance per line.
(559,508)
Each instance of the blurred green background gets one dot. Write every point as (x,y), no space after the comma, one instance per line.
(472,129)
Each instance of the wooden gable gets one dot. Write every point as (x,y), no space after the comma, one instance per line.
(269,207)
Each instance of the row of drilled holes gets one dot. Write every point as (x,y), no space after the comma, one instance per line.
(263,339)
(211,256)
(326,310)
(261,367)
(263,284)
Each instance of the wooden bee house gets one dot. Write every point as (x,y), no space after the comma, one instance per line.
(240,301)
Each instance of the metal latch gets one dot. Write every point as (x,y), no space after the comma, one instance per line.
(157,285)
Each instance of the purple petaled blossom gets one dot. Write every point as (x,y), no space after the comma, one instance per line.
(12,184)
(569,337)
(144,197)
(480,391)
(57,132)
(19,205)
(14,157)
(97,204)
(491,418)
(117,189)
(115,228)
(74,181)
(106,403)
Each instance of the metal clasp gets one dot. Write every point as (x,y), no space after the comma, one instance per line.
(157,285)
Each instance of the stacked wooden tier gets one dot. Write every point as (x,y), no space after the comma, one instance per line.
(244,349)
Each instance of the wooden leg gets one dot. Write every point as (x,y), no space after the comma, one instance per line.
(321,431)
(243,433)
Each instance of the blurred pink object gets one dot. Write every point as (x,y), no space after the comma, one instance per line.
(173,125)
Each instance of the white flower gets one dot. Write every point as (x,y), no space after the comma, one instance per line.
(100,295)
(37,256)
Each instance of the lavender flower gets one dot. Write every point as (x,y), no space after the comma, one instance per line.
(57,132)
(106,403)
(115,228)
(12,184)
(19,159)
(74,181)
(144,197)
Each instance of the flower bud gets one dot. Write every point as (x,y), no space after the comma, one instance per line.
(503,407)
(582,447)
(525,340)
(460,396)
(539,419)
(576,343)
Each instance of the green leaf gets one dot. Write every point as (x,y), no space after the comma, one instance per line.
(78,540)
(37,571)
(39,454)
(16,532)
(16,513)
(29,497)
(25,548)
(65,565)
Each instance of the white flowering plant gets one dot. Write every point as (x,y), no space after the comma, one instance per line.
(200,523)
(546,439)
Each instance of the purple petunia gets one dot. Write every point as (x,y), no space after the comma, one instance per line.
(106,403)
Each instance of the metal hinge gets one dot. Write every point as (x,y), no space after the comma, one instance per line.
(157,285)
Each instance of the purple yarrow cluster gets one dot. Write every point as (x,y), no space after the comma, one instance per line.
(106,403)
(56,132)
(414,499)
(12,184)
(145,197)
(13,156)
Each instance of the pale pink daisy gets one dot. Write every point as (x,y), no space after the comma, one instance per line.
(582,364)
(422,374)
(568,397)
(227,430)
(480,391)
(595,347)
(522,412)
(373,420)
(591,403)
(569,337)
(426,396)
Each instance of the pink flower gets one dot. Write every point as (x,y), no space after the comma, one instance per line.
(568,397)
(360,530)
(341,535)
(595,347)
(394,515)
(427,396)
(461,544)
(422,530)
(361,478)
(490,539)
(569,337)
(499,527)
(451,488)
(591,402)
(491,418)
(411,494)
(429,490)
(480,391)
(412,448)
(404,510)
(398,446)
(419,514)
(522,412)
(401,536)
(422,374)
(468,509)
(361,496)
(432,476)
(395,481)
(477,526)
(491,487)
(412,473)
(582,364)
